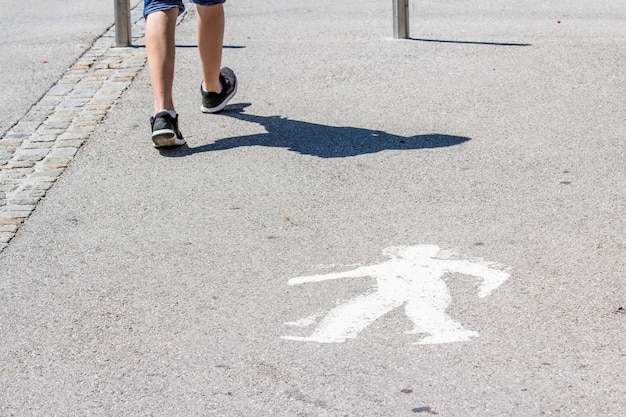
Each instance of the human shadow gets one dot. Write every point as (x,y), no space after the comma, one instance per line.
(314,139)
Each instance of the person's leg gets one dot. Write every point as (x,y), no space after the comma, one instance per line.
(219,85)
(161,51)
(210,39)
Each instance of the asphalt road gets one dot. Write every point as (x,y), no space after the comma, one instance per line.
(171,282)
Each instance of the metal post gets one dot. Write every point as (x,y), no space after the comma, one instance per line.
(401,19)
(122,23)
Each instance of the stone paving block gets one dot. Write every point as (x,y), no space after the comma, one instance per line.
(56,161)
(70,143)
(31,154)
(100,103)
(32,201)
(76,74)
(49,101)
(72,135)
(45,171)
(83,92)
(27,198)
(35,117)
(24,127)
(71,79)
(97,77)
(81,129)
(14,136)
(75,102)
(9,174)
(6,152)
(13,215)
(17,221)
(63,152)
(66,113)
(108,96)
(82,65)
(34,186)
(37,137)
(60,90)
(7,186)
(56,124)
(16,208)
(41,137)
(8,228)
(37,145)
(43,177)
(44,130)
(26,201)
(5,237)
(20,164)
(23,172)
(90,123)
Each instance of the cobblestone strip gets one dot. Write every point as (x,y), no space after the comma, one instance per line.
(35,151)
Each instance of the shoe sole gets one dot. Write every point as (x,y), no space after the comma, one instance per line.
(221,106)
(166,137)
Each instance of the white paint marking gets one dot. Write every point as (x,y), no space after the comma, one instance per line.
(411,278)
(305,321)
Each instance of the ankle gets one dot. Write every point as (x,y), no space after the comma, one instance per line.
(170,112)
(213,88)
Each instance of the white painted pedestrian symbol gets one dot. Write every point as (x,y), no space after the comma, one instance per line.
(411,278)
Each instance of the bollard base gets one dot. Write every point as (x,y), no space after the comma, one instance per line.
(123,36)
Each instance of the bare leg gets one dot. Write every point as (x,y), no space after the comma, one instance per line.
(161,50)
(210,39)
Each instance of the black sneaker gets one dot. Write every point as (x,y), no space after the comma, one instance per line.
(214,102)
(165,130)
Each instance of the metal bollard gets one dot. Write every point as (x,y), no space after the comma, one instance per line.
(122,23)
(401,19)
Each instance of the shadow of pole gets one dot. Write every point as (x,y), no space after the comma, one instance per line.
(469,42)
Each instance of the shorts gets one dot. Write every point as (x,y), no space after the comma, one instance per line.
(150,6)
